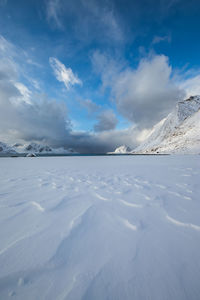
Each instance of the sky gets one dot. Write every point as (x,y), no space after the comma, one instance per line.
(94,74)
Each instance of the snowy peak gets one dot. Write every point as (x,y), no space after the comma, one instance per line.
(31,149)
(178,133)
(41,149)
(121,150)
(5,149)
(37,148)
(187,107)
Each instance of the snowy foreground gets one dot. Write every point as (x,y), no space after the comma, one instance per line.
(105,227)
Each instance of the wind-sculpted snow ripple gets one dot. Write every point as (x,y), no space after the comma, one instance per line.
(100,228)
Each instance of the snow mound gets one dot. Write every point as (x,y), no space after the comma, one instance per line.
(121,150)
(179,132)
(31,155)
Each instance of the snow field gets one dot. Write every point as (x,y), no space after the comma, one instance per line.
(104,227)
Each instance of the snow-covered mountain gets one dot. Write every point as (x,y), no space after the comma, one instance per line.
(179,132)
(32,148)
(5,149)
(41,149)
(121,150)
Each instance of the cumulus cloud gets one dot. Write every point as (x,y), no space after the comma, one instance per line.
(147,94)
(25,93)
(143,95)
(104,141)
(191,85)
(64,74)
(91,107)
(27,117)
(23,114)
(107,120)
(107,67)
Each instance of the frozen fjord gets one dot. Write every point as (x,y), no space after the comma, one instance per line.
(102,227)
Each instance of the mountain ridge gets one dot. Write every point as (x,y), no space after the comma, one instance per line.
(179,132)
(32,148)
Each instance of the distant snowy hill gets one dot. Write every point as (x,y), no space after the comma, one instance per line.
(178,133)
(5,149)
(33,148)
(121,150)
(43,149)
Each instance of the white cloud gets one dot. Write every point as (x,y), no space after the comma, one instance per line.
(106,18)
(23,114)
(53,10)
(143,95)
(44,120)
(143,135)
(90,106)
(25,93)
(158,39)
(191,85)
(107,120)
(93,20)
(64,74)
(104,141)
(27,116)
(108,68)
(4,45)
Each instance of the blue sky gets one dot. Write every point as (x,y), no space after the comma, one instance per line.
(92,75)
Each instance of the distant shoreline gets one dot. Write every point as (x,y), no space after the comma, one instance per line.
(83,154)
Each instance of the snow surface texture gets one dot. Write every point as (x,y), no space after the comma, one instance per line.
(178,133)
(111,227)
